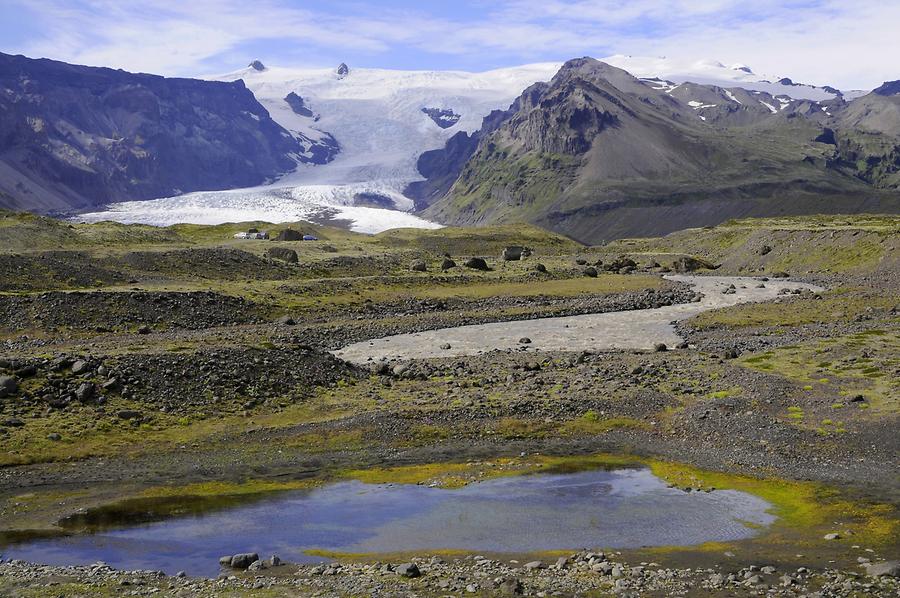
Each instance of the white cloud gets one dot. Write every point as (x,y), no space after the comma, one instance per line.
(816,41)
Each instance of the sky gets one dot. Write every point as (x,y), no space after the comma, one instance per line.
(851,44)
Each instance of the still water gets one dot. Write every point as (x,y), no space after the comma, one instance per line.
(622,508)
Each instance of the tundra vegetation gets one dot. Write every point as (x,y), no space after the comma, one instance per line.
(148,373)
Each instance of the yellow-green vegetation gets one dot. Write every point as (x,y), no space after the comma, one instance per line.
(247,487)
(804,507)
(97,437)
(591,423)
(842,304)
(456,475)
(819,243)
(843,367)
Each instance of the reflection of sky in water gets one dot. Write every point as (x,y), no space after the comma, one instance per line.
(623,508)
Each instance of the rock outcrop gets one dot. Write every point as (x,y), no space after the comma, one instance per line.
(77,137)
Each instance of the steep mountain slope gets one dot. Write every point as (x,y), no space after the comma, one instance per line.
(868,136)
(75,136)
(600,154)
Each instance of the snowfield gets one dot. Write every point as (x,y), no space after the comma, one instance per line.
(377,118)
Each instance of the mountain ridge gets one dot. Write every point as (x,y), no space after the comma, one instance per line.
(77,136)
(602,154)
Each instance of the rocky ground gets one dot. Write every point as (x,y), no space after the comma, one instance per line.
(203,365)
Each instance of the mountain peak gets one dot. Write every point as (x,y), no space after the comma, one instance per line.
(257,65)
(888,88)
(342,70)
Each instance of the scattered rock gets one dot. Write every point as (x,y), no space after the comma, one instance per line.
(524,341)
(477,263)
(408,570)
(513,253)
(590,272)
(418,266)
(510,587)
(85,391)
(243,560)
(660,347)
(883,569)
(80,367)
(531,566)
(447,263)
(832,536)
(541,268)
(8,386)
(286,321)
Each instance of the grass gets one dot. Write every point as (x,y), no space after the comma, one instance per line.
(800,506)
(835,305)
(858,364)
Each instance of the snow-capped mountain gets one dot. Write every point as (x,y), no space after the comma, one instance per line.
(363,130)
(712,72)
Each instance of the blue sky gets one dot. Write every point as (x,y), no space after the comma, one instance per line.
(838,42)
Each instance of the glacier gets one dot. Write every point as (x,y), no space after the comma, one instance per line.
(379,118)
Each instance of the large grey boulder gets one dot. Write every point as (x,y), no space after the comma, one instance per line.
(408,570)
(284,254)
(513,253)
(884,569)
(244,560)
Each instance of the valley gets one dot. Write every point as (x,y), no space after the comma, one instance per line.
(168,377)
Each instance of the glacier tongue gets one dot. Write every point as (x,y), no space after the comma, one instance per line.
(377,118)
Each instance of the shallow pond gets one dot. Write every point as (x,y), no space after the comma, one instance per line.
(623,508)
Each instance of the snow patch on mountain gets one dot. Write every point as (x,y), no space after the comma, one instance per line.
(711,72)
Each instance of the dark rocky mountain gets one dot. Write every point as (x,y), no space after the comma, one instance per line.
(298,105)
(599,154)
(75,136)
(442,117)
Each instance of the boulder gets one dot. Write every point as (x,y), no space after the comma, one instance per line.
(418,266)
(80,367)
(690,264)
(286,321)
(513,253)
(289,234)
(510,587)
(85,391)
(407,570)
(540,268)
(590,272)
(284,254)
(660,347)
(244,560)
(884,569)
(447,264)
(8,386)
(477,263)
